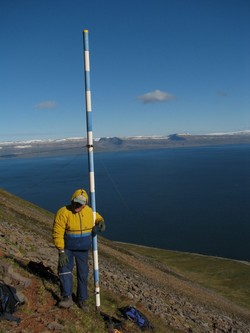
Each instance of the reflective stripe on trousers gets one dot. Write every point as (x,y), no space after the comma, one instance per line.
(66,278)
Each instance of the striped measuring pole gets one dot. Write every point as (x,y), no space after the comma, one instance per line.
(91,162)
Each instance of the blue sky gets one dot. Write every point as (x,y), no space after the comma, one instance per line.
(157,67)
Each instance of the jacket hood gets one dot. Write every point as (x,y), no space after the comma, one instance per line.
(80,196)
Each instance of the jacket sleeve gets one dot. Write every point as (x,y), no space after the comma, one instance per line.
(59,229)
(98,218)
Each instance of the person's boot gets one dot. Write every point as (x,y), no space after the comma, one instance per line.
(83,305)
(65,303)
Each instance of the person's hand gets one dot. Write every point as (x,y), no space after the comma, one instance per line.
(101,226)
(63,259)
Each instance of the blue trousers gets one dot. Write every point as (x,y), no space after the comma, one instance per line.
(82,269)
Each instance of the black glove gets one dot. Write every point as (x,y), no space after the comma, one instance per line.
(101,226)
(63,259)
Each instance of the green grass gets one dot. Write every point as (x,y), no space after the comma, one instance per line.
(229,278)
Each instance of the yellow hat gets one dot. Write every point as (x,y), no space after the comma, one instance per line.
(80,196)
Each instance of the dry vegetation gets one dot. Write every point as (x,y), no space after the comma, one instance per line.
(163,284)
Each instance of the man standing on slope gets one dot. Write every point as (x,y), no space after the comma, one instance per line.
(73,225)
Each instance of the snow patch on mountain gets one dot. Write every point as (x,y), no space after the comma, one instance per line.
(23,147)
(139,137)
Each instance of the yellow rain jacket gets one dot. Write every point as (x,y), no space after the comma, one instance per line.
(73,230)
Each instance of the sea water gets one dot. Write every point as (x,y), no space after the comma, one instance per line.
(186,199)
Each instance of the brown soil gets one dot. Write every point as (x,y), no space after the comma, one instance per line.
(172,302)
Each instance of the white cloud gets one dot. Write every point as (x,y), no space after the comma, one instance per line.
(46,105)
(155,96)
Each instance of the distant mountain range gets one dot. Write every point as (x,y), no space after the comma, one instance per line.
(73,145)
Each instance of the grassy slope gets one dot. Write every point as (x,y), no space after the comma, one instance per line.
(29,217)
(229,278)
(224,277)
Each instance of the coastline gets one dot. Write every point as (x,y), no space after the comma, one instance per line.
(75,146)
(244,262)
